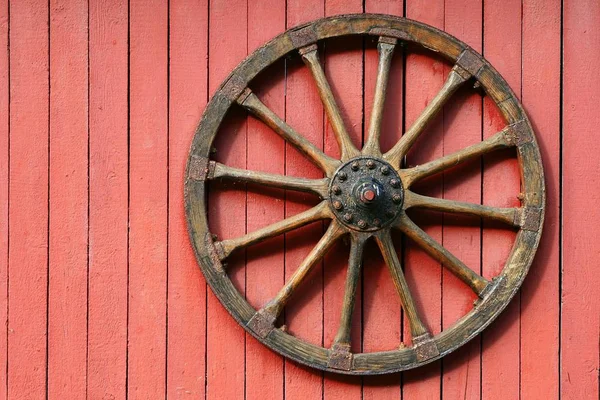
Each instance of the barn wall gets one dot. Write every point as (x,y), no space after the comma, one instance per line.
(100,294)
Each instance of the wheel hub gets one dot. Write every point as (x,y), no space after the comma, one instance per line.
(366,194)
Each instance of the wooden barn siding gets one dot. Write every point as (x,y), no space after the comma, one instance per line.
(100,295)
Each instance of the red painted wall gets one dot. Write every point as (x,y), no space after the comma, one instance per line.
(100,295)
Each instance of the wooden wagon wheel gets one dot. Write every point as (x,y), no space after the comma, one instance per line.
(365,195)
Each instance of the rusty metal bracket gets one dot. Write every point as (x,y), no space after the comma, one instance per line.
(518,133)
(489,289)
(198,169)
(303,36)
(233,87)
(391,33)
(340,357)
(425,347)
(470,61)
(531,218)
(262,323)
(213,253)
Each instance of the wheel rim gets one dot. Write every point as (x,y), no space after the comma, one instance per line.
(358,194)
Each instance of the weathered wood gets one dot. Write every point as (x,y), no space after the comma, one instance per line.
(494,296)
(323,161)
(311,59)
(318,187)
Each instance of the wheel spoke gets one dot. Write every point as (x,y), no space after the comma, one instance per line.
(455,78)
(311,59)
(497,141)
(384,240)
(316,186)
(354,265)
(304,146)
(385,48)
(319,212)
(441,254)
(509,216)
(275,306)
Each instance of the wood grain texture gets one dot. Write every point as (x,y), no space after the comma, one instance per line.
(68,242)
(304,111)
(501,186)
(540,300)
(228,44)
(4,190)
(580,324)
(28,196)
(461,234)
(186,297)
(425,76)
(343,62)
(266,152)
(544,346)
(382,311)
(148,136)
(109,201)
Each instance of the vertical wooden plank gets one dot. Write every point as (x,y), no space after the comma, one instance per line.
(581,177)
(4,171)
(28,214)
(461,234)
(304,112)
(382,311)
(68,247)
(148,199)
(108,235)
(425,76)
(501,185)
(188,79)
(227,205)
(266,152)
(344,67)
(540,293)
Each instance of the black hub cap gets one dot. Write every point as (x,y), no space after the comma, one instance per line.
(366,194)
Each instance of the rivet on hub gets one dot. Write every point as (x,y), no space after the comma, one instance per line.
(377,222)
(338,205)
(342,176)
(347,217)
(355,165)
(385,170)
(395,183)
(389,213)
(362,224)
(336,189)
(370,164)
(396,198)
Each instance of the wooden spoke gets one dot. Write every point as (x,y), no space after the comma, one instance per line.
(354,265)
(384,240)
(456,77)
(412,175)
(510,216)
(333,233)
(316,186)
(311,59)
(386,51)
(319,212)
(253,104)
(441,254)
